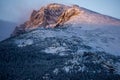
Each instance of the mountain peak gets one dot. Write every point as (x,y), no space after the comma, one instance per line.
(51,15)
(54,15)
(83,51)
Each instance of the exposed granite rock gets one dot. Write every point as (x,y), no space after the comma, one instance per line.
(54,15)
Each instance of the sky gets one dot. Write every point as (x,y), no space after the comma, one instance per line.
(19,10)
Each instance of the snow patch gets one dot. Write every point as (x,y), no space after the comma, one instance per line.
(46,76)
(24,42)
(66,69)
(118,68)
(55,50)
(75,65)
(55,71)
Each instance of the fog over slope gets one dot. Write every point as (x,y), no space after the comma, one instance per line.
(6,28)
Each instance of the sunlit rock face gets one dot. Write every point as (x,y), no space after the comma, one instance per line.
(54,15)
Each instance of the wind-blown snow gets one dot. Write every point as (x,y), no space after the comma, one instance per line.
(56,71)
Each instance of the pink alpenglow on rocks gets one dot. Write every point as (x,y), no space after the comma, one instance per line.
(56,15)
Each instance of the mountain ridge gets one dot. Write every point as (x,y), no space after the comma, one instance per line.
(55,15)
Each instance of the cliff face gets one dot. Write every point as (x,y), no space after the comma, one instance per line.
(51,15)
(54,15)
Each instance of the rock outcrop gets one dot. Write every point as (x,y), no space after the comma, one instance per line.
(54,15)
(51,15)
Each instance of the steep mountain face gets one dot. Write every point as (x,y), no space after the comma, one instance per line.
(54,15)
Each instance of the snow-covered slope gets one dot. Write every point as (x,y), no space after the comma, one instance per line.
(92,18)
(104,39)
(70,52)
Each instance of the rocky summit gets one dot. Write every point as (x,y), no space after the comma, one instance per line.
(55,15)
